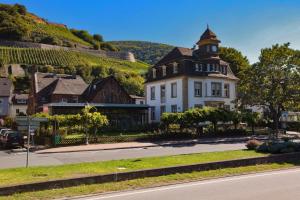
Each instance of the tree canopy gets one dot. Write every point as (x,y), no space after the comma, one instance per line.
(274,81)
(237,61)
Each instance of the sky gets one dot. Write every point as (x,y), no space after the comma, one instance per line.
(247,25)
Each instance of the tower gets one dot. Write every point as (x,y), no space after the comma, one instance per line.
(208,45)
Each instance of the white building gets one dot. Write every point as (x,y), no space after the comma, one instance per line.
(187,78)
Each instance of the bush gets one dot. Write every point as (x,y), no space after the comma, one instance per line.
(253,144)
(278,147)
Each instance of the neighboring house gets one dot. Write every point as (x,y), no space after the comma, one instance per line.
(138,99)
(6,89)
(68,94)
(19,105)
(187,78)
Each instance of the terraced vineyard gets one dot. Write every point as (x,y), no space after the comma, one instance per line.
(34,56)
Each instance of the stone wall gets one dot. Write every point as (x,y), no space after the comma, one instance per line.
(122,55)
(123,176)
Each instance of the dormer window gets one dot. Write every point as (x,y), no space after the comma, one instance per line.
(153,73)
(197,67)
(164,70)
(210,67)
(175,68)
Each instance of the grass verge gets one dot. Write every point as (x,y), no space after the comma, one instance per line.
(142,183)
(36,174)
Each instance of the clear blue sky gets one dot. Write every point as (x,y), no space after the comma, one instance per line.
(247,25)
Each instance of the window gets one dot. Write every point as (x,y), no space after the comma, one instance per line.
(152,113)
(162,110)
(164,70)
(214,48)
(197,89)
(211,68)
(207,48)
(17,111)
(197,67)
(198,106)
(216,89)
(154,73)
(174,90)
(74,100)
(163,94)
(21,101)
(205,68)
(225,70)
(141,102)
(152,93)
(64,100)
(175,68)
(226,90)
(174,108)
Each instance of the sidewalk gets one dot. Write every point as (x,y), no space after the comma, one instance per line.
(129,145)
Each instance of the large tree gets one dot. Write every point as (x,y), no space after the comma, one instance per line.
(273,82)
(237,61)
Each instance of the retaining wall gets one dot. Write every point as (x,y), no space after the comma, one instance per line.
(147,173)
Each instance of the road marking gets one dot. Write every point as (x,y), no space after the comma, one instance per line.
(164,188)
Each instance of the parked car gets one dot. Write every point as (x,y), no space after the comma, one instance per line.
(2,132)
(12,139)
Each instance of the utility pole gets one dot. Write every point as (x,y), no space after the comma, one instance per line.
(28,141)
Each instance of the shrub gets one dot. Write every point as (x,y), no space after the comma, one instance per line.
(253,144)
(263,148)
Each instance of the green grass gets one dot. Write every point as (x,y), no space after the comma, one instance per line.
(34,56)
(142,183)
(35,174)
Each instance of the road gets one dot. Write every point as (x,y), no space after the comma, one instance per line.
(11,160)
(277,185)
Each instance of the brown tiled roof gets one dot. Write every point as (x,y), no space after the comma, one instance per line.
(5,87)
(60,83)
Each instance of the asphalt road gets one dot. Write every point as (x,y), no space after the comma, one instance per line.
(279,185)
(11,160)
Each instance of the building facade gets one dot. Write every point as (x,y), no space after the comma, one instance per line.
(6,89)
(19,105)
(69,94)
(188,78)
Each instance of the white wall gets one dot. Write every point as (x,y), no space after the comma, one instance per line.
(206,91)
(13,108)
(191,99)
(169,100)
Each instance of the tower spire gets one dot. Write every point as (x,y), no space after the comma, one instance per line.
(207,26)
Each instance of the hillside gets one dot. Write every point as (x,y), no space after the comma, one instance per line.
(61,58)
(148,52)
(16,23)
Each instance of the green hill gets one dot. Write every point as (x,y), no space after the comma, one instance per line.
(16,23)
(148,52)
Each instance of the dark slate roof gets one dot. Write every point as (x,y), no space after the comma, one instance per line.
(208,34)
(176,53)
(5,87)
(60,83)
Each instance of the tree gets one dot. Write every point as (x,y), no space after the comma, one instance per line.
(251,118)
(273,82)
(235,58)
(98,37)
(90,119)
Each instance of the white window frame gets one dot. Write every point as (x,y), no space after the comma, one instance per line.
(227,90)
(174,91)
(153,73)
(175,68)
(216,89)
(174,108)
(198,91)
(163,94)
(152,92)
(164,70)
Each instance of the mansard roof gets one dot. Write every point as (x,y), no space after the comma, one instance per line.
(177,52)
